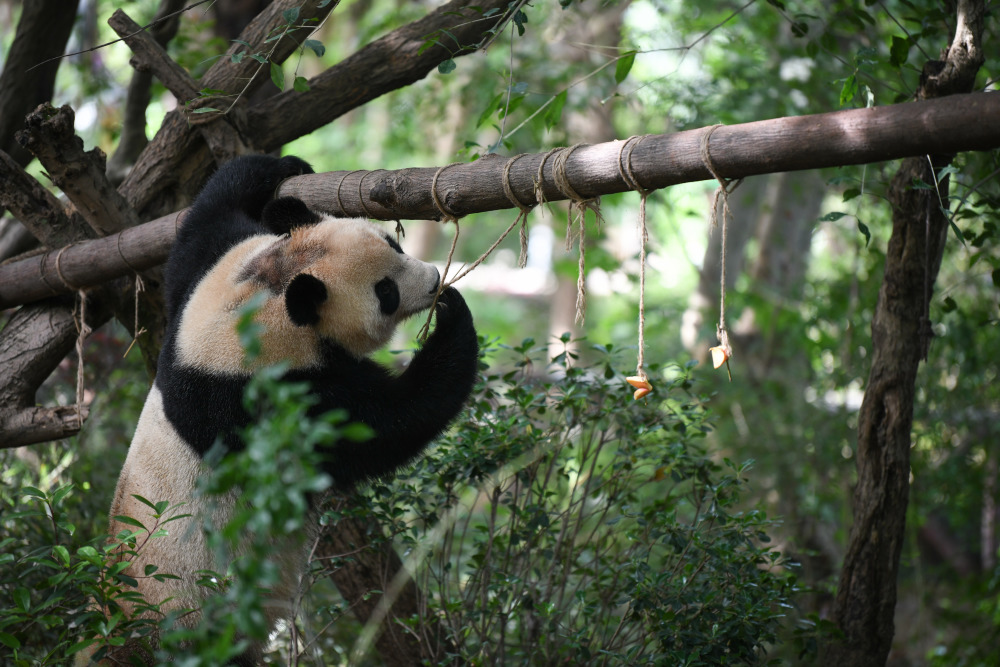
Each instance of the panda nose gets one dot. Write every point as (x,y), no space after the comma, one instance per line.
(437,281)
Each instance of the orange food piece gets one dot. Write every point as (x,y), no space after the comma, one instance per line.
(719,355)
(639,382)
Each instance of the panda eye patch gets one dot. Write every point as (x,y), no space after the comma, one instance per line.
(392,244)
(388,295)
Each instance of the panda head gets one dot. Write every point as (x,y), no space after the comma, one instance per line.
(343,280)
(358,284)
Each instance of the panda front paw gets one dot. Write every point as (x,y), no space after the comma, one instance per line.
(451,309)
(290,165)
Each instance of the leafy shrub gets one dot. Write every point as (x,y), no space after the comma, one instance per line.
(567,523)
(561,522)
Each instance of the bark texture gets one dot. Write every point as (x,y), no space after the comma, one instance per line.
(901,333)
(369,564)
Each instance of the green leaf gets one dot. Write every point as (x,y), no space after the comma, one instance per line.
(554,113)
(145,502)
(949,305)
(62,492)
(290,16)
(129,521)
(22,598)
(300,85)
(89,554)
(316,46)
(277,76)
(996,277)
(358,432)
(447,66)
(624,65)
(32,492)
(849,90)
(10,641)
(62,553)
(899,50)
(863,228)
(832,217)
(851,193)
(238,57)
(519,19)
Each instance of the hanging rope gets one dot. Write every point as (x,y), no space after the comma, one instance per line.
(640,380)
(579,204)
(723,351)
(82,332)
(522,216)
(138,286)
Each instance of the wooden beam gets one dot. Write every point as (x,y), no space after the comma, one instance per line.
(840,138)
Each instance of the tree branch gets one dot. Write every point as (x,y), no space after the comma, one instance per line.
(42,32)
(81,175)
(133,137)
(855,136)
(177,161)
(389,63)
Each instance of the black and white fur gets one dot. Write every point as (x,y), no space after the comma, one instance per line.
(335,291)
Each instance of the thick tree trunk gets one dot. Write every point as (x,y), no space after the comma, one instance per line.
(901,333)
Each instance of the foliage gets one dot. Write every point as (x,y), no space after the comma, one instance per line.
(555,523)
(567,522)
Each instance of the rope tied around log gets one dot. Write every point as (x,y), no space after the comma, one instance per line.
(522,216)
(580,205)
(446,215)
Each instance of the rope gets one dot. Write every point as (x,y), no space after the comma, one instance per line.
(138,286)
(580,204)
(361,197)
(625,170)
(82,332)
(722,353)
(446,215)
(522,216)
(340,202)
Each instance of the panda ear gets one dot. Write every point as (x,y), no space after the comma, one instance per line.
(302,299)
(284,213)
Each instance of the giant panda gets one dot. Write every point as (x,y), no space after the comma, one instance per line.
(335,289)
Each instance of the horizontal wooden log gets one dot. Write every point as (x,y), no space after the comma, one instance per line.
(856,136)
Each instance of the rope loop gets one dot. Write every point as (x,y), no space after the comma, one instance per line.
(446,213)
(522,216)
(580,204)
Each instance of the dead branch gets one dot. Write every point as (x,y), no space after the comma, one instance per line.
(848,137)
(50,136)
(178,161)
(38,209)
(133,136)
(33,342)
(220,133)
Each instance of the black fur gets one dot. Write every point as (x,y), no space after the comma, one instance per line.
(302,299)
(405,412)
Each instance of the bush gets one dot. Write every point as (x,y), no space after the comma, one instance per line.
(561,522)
